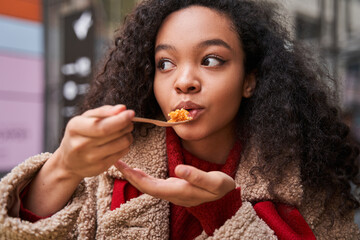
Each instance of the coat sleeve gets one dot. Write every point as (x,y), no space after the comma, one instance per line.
(64,224)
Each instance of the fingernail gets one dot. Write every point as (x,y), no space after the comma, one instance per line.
(118,108)
(131,113)
(183,171)
(120,165)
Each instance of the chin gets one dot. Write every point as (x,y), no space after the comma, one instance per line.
(188,134)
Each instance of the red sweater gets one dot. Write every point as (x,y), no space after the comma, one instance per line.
(188,223)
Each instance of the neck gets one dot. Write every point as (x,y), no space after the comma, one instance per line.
(214,148)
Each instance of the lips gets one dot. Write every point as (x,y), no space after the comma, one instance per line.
(193,108)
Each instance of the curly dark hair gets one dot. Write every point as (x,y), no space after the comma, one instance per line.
(293,113)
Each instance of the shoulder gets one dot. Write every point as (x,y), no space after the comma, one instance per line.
(256,185)
(327,223)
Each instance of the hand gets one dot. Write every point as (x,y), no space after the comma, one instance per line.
(95,140)
(192,188)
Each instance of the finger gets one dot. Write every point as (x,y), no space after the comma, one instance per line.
(116,123)
(214,182)
(114,158)
(104,111)
(137,178)
(98,141)
(180,192)
(123,167)
(100,127)
(114,146)
(97,167)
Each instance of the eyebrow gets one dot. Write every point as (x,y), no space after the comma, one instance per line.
(206,43)
(214,42)
(164,47)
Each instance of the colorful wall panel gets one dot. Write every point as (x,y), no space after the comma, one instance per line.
(21,36)
(21,81)
(23,9)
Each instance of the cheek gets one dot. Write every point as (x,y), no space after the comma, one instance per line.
(228,92)
(160,93)
(229,100)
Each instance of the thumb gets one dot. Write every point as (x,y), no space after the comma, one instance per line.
(215,182)
(193,175)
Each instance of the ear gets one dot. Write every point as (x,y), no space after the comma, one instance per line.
(249,85)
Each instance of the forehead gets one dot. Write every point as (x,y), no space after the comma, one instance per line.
(197,23)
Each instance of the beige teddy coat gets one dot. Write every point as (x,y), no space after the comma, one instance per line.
(88,215)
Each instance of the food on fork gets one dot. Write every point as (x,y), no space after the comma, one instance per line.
(179,115)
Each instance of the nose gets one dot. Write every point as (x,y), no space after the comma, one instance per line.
(187,81)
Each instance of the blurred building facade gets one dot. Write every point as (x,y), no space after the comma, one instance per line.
(48,50)
(77,34)
(332,29)
(21,81)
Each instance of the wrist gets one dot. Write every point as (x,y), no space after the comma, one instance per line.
(56,165)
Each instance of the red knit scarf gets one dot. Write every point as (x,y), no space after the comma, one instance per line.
(188,223)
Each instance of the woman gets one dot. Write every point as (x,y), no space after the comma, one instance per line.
(265,157)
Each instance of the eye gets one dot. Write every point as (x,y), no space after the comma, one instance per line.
(212,61)
(165,65)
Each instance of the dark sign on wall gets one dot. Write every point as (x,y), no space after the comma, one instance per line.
(78,50)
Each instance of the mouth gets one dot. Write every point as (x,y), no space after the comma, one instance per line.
(193,108)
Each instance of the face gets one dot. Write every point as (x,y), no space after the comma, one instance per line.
(199,60)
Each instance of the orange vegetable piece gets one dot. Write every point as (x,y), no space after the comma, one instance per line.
(179,115)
